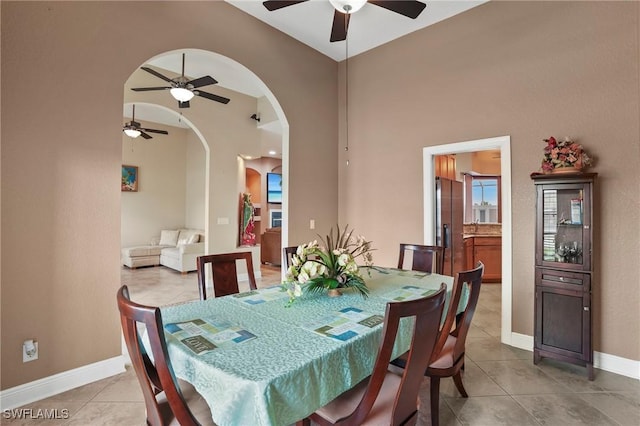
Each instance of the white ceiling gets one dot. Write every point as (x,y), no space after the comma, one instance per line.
(371,26)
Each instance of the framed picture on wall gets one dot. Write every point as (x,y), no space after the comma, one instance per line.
(129,178)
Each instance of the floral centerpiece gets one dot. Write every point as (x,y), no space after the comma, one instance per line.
(564,154)
(333,266)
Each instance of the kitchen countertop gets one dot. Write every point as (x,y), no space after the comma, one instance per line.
(481,230)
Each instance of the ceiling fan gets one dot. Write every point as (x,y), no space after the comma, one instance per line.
(182,89)
(344,9)
(133,128)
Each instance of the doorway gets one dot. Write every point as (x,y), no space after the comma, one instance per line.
(503,144)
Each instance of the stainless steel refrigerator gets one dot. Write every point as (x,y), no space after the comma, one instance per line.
(449,220)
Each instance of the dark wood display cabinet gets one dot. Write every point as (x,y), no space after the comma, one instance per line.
(564,267)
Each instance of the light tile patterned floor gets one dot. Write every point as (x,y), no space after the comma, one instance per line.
(504,386)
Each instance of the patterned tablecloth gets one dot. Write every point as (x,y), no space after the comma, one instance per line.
(257,362)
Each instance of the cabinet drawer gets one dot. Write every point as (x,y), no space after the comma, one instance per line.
(563,279)
(487,241)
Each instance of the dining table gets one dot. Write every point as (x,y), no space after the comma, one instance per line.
(258,360)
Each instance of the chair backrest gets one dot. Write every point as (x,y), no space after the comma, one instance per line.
(471,279)
(156,376)
(425,258)
(427,312)
(224,273)
(288,253)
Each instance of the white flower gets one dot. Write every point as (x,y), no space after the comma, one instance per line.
(343,259)
(310,268)
(321,270)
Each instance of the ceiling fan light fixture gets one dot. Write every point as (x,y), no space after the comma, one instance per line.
(347,6)
(132,133)
(181,94)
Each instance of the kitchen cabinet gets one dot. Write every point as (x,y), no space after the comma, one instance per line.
(488,250)
(564,268)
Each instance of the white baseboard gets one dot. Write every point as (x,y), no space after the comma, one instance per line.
(522,341)
(616,364)
(611,363)
(58,383)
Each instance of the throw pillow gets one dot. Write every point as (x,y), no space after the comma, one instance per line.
(169,238)
(184,237)
(194,238)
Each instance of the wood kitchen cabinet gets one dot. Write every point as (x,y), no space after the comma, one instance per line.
(564,267)
(488,250)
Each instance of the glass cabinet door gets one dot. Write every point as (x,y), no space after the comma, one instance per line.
(565,226)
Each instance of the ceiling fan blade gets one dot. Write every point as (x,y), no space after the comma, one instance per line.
(144,135)
(272,5)
(211,96)
(203,81)
(410,9)
(162,132)
(340,26)
(157,74)
(147,89)
(183,104)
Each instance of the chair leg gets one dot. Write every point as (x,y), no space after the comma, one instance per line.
(457,379)
(435,400)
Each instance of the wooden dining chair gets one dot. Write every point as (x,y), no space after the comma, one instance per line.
(447,359)
(224,273)
(156,377)
(288,253)
(425,258)
(386,398)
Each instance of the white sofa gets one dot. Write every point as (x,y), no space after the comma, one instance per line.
(175,249)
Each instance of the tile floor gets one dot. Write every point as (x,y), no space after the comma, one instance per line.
(504,386)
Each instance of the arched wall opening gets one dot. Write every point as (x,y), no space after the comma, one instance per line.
(224,131)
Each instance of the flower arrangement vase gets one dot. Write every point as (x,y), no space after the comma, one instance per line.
(561,170)
(334,292)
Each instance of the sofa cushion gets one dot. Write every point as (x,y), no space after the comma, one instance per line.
(169,237)
(141,251)
(172,252)
(193,239)
(186,235)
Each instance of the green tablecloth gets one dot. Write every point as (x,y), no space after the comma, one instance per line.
(287,370)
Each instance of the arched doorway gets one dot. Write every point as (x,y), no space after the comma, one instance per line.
(227,133)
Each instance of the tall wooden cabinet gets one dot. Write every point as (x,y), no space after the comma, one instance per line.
(564,267)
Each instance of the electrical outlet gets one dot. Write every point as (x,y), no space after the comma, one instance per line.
(29,350)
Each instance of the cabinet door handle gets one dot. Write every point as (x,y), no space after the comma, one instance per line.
(586,308)
(561,278)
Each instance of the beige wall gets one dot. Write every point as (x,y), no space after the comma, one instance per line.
(159,202)
(196,183)
(60,205)
(528,70)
